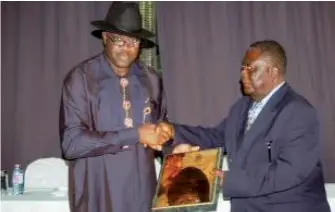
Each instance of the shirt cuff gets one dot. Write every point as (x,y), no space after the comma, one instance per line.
(126,137)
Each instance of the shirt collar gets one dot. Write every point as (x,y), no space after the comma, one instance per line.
(267,97)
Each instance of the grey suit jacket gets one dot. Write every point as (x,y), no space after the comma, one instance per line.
(275,166)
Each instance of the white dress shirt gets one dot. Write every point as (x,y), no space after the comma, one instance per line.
(257,107)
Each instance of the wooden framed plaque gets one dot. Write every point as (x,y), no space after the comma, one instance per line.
(187,182)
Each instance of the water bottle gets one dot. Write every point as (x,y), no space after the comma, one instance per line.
(18,180)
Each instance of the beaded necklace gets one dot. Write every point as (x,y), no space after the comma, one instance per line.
(126,105)
(126,102)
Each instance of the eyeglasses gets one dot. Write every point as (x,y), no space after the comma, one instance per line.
(117,41)
(248,68)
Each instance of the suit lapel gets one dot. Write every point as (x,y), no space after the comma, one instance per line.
(262,123)
(234,128)
(241,122)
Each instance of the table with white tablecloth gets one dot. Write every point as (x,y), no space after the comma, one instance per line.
(56,201)
(36,200)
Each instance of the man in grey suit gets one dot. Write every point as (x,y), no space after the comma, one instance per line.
(271,137)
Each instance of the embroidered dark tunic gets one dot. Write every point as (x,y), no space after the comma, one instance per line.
(109,169)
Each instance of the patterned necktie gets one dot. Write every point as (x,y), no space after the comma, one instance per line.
(252,115)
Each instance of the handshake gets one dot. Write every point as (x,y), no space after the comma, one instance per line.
(155,136)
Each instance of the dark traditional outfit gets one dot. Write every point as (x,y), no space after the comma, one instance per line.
(109,169)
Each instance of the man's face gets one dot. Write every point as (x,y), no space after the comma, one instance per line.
(121,50)
(255,74)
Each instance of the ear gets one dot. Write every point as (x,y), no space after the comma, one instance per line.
(274,72)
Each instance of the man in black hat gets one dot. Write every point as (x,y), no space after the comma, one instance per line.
(110,104)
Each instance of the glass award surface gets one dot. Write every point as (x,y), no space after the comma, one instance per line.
(188,182)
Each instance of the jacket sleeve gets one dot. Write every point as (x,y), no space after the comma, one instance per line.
(298,157)
(77,139)
(200,136)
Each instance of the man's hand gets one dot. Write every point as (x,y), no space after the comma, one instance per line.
(155,147)
(167,129)
(181,148)
(148,135)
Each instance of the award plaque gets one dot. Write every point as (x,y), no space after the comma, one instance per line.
(188,182)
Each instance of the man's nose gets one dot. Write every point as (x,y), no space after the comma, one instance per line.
(244,73)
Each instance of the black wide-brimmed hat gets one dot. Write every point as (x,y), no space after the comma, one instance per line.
(124,18)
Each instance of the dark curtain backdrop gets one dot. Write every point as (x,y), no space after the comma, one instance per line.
(202,44)
(40,43)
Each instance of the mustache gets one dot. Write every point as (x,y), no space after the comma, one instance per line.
(122,54)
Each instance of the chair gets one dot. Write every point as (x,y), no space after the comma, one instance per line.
(46,173)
